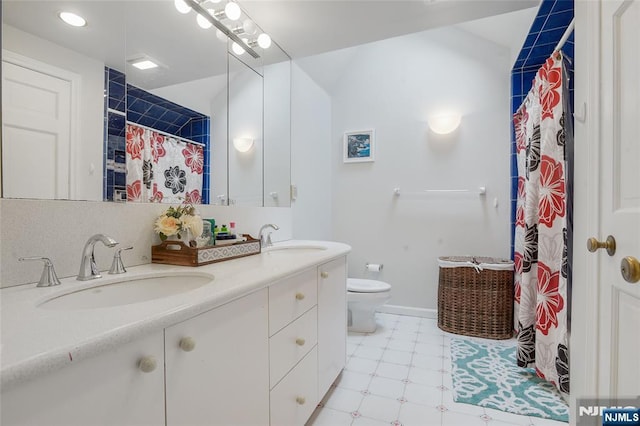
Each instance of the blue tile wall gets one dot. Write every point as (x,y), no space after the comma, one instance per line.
(158,113)
(552,20)
(124,102)
(115,90)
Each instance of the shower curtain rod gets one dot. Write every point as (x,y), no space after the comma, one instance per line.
(566,35)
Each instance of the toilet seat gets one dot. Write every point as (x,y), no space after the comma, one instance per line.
(358,285)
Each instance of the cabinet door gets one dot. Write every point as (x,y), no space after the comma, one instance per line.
(219,374)
(109,389)
(294,398)
(332,322)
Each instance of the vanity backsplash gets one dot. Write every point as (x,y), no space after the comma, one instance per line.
(59,229)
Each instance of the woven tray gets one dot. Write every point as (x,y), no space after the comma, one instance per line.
(178,253)
(474,299)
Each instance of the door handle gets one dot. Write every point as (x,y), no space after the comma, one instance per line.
(610,244)
(630,269)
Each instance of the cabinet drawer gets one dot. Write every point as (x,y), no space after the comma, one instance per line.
(295,397)
(291,298)
(290,344)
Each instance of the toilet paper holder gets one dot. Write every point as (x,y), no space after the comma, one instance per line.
(374,267)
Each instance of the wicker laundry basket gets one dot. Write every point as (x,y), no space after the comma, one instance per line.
(475,296)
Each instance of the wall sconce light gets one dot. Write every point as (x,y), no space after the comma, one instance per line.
(242,144)
(443,124)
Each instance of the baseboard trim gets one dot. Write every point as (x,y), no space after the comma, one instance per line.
(408,310)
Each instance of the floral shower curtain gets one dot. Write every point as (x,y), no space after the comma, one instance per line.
(162,169)
(544,143)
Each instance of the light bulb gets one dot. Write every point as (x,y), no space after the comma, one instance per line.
(237,49)
(181,6)
(232,10)
(249,26)
(204,22)
(72,19)
(264,40)
(221,36)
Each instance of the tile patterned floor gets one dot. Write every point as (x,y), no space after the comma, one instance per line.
(400,375)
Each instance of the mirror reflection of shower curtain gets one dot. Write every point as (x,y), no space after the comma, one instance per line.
(161,168)
(544,146)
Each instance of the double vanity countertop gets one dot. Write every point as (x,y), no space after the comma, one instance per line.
(36,338)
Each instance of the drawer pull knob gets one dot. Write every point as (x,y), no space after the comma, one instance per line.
(324,274)
(147,364)
(301,400)
(300,341)
(187,344)
(299,296)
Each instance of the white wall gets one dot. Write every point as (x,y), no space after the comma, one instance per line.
(392,86)
(310,157)
(245,169)
(277,133)
(89,148)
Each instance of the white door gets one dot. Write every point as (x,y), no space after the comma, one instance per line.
(619,374)
(36,109)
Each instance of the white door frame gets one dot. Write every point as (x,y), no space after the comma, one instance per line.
(75,80)
(587,196)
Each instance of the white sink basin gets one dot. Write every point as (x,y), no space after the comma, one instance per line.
(293,249)
(127,291)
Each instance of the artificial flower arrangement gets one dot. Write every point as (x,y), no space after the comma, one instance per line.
(176,220)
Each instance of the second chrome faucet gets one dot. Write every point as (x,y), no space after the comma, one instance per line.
(88,268)
(265,240)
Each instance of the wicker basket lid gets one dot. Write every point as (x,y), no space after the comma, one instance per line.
(478,262)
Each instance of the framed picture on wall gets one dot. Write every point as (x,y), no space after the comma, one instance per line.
(359,146)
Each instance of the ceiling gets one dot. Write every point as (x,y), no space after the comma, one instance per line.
(309,27)
(119,30)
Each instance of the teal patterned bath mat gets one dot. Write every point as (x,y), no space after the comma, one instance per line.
(486,374)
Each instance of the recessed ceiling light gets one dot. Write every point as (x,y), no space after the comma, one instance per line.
(72,19)
(144,64)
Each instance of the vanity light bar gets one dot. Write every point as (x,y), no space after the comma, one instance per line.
(223,28)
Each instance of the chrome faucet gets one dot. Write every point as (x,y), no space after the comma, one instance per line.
(48,277)
(88,268)
(117,267)
(265,240)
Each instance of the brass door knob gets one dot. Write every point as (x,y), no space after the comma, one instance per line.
(630,269)
(324,274)
(610,244)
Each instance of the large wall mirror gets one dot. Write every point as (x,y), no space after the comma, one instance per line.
(82,120)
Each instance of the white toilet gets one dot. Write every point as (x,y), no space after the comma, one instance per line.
(363,297)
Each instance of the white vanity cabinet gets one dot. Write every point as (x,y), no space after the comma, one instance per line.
(332,322)
(293,326)
(264,358)
(217,366)
(109,389)
(307,344)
